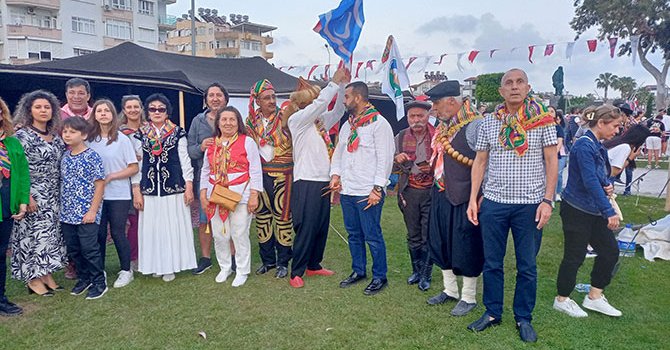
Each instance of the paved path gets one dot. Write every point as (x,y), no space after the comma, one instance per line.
(650,185)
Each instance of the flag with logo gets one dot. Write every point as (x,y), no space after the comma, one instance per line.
(342,27)
(395,78)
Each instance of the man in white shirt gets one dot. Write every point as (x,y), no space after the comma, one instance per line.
(312,149)
(360,170)
(666,134)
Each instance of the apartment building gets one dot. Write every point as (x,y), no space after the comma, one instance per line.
(218,36)
(35,30)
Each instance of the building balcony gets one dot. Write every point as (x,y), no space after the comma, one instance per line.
(108,41)
(116,14)
(227,51)
(167,22)
(32,31)
(46,4)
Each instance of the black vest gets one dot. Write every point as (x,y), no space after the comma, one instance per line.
(456,176)
(171,179)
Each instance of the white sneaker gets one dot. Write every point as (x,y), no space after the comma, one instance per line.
(239,280)
(601,305)
(222,276)
(125,277)
(569,307)
(168,277)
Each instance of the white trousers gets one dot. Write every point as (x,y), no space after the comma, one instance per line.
(236,228)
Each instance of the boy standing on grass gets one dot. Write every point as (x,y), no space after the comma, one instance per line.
(82,188)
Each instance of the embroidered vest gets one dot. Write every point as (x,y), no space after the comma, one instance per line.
(457,177)
(239,163)
(167,164)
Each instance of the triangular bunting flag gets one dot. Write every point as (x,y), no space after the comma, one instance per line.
(592,44)
(473,54)
(358,67)
(530,53)
(569,49)
(549,50)
(612,42)
(492,52)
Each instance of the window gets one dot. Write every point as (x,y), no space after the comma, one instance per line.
(121,4)
(202,46)
(250,45)
(42,55)
(148,35)
(145,7)
(82,52)
(83,25)
(118,29)
(201,31)
(228,43)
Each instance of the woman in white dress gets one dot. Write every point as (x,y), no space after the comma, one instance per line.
(162,193)
(231,161)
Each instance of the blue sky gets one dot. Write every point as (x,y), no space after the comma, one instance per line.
(431,28)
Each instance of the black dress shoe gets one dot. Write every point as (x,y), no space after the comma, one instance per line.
(483,322)
(526,332)
(264,269)
(282,272)
(352,279)
(440,299)
(8,308)
(375,286)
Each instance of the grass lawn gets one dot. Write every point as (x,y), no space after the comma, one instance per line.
(267,313)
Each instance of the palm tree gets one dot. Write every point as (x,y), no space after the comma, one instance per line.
(604,81)
(626,85)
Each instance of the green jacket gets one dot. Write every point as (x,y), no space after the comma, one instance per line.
(19,175)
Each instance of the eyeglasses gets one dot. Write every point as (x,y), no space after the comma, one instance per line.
(157,110)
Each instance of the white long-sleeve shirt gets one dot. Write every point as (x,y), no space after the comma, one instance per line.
(310,154)
(368,166)
(255,173)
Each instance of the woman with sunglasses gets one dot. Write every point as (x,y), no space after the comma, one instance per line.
(163,192)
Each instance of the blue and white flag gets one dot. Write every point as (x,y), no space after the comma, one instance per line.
(342,27)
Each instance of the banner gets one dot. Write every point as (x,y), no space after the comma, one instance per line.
(395,76)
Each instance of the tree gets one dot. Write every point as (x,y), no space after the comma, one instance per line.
(604,81)
(650,19)
(487,88)
(626,85)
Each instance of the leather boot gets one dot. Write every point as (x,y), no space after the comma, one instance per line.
(415,257)
(426,272)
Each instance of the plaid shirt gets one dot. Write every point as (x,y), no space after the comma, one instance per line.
(512,179)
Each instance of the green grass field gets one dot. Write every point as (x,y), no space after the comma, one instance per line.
(267,313)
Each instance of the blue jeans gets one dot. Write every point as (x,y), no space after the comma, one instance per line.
(363,227)
(496,220)
(562,162)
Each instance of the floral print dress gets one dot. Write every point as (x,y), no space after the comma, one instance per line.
(37,243)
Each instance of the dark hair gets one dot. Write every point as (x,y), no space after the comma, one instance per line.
(241,129)
(634,136)
(160,98)
(74,82)
(96,128)
(359,88)
(560,117)
(23,113)
(574,110)
(77,123)
(225,92)
(122,115)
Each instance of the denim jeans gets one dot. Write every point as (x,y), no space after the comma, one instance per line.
(497,219)
(363,227)
(562,163)
(115,213)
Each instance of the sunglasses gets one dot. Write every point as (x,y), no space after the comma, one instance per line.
(159,110)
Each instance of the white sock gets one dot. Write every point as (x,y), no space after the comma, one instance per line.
(469,291)
(450,283)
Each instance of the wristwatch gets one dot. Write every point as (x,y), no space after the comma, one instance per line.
(378,188)
(548,201)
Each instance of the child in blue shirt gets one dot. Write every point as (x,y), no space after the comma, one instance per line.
(82,188)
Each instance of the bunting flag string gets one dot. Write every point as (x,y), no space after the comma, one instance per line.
(612,42)
(549,50)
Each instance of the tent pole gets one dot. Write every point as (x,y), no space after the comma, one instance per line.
(182,118)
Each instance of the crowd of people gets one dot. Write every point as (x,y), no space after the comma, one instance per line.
(75,175)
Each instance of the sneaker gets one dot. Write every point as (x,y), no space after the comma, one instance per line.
(239,280)
(168,277)
(125,277)
(296,282)
(96,292)
(80,287)
(203,265)
(569,307)
(657,166)
(222,276)
(601,305)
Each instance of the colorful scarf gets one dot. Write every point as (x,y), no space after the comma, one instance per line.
(5,163)
(124,129)
(368,116)
(409,144)
(448,129)
(272,134)
(157,136)
(531,114)
(330,146)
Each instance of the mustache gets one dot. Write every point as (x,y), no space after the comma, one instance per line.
(416,125)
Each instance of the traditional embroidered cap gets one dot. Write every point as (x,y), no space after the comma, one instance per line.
(445,89)
(418,104)
(257,89)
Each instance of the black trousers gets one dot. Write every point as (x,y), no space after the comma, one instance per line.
(311,216)
(5,233)
(415,207)
(82,248)
(115,213)
(581,229)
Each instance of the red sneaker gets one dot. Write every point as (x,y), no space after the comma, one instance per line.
(296,282)
(321,272)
